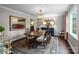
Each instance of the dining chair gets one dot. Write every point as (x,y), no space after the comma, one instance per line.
(30,40)
(44,39)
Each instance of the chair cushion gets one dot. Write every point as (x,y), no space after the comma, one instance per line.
(41,39)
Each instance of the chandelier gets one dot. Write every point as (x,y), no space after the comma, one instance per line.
(44,21)
(40,14)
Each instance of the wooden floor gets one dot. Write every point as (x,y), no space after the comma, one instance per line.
(63,47)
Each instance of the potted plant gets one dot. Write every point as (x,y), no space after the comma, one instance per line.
(2,29)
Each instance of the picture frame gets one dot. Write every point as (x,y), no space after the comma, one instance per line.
(16,23)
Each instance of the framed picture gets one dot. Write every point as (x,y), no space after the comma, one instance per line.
(16,23)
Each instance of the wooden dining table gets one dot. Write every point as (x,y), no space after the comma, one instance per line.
(31,38)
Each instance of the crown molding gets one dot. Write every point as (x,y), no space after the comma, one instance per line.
(10,9)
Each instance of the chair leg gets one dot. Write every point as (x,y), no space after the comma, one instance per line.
(44,46)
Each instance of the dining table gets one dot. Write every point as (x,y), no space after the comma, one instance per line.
(31,38)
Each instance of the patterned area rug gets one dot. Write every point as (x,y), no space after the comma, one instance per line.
(20,47)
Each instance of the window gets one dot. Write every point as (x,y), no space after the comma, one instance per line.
(74,22)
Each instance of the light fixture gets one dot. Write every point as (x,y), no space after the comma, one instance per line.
(44,23)
(43,20)
(32,22)
(52,22)
(40,14)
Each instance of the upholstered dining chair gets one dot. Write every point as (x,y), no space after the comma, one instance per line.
(43,39)
(29,40)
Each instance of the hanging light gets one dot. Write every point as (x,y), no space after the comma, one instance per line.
(52,23)
(44,23)
(40,14)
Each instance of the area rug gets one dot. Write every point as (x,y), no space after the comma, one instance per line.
(20,47)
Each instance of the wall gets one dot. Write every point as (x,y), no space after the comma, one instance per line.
(59,24)
(4,19)
(73,42)
(78,27)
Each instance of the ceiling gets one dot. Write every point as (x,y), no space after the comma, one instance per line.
(32,9)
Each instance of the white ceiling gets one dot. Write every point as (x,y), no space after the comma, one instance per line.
(32,9)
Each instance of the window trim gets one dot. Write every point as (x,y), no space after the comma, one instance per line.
(71,24)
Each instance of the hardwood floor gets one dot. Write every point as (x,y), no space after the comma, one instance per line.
(63,47)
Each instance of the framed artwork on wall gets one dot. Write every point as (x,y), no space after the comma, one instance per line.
(16,23)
